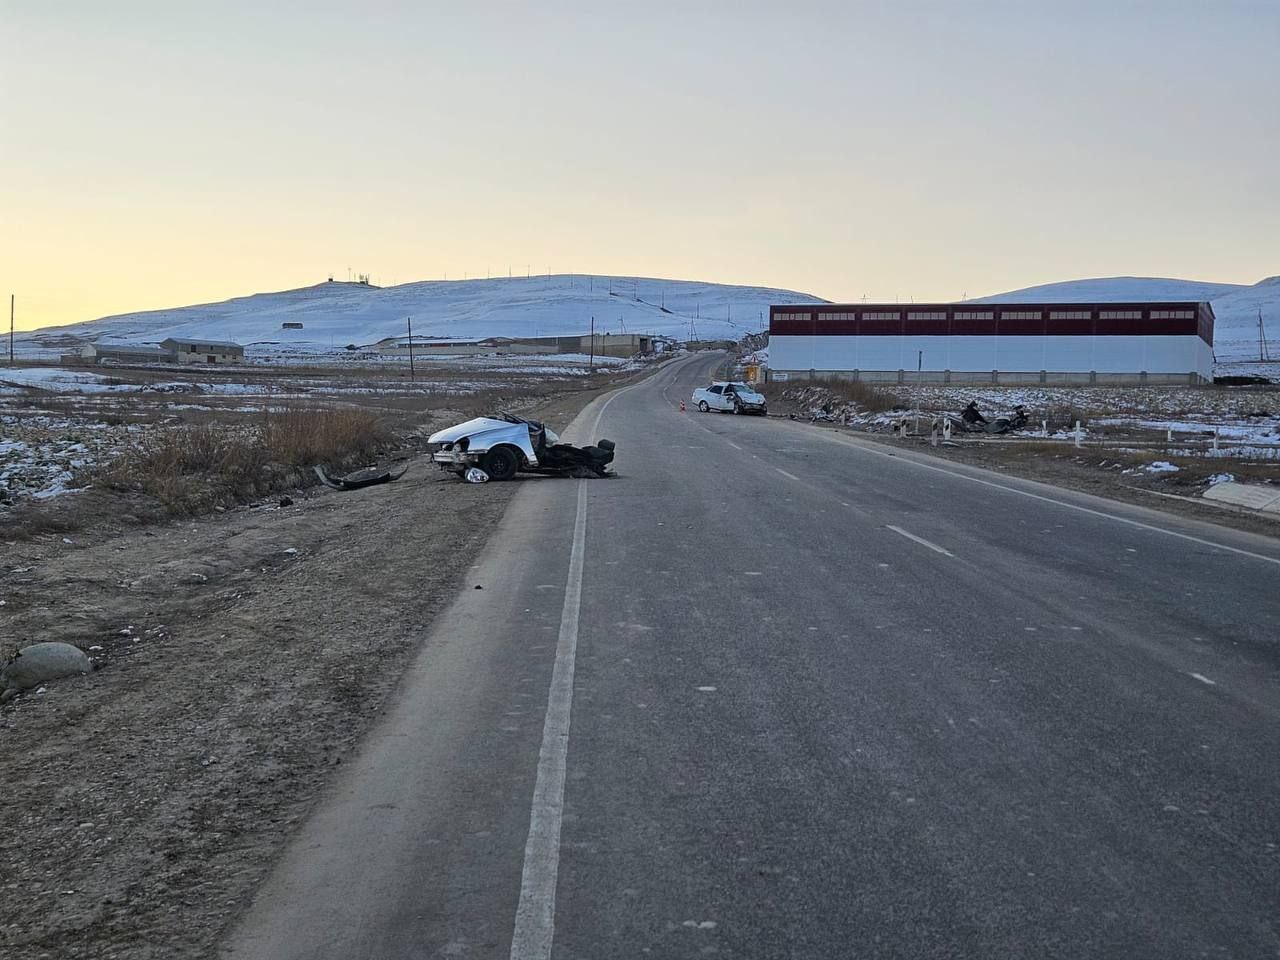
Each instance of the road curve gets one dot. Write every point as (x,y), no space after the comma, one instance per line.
(779,692)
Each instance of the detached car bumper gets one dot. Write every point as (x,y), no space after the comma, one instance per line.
(456,460)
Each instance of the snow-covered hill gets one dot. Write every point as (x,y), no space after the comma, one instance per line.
(1236,306)
(335,313)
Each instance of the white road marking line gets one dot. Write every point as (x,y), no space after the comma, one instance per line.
(921,540)
(732,444)
(789,476)
(536,911)
(705,689)
(1060,503)
(1203,679)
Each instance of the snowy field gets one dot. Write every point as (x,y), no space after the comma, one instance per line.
(1246,421)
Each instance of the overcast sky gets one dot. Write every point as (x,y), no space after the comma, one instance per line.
(159,154)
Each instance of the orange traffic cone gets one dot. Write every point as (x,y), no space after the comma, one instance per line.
(682,406)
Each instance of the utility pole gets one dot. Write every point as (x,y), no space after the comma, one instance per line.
(11,329)
(593,344)
(409,321)
(1263,353)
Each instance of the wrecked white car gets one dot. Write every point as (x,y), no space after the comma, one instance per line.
(499,447)
(724,395)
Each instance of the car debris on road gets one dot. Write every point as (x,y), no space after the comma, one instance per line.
(499,447)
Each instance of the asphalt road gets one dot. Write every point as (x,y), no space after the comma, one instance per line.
(779,692)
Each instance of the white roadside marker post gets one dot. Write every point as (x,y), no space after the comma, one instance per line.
(1044,429)
(1078,435)
(946,429)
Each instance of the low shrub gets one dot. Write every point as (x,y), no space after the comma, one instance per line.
(192,468)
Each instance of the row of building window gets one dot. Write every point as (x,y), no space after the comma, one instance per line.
(989,315)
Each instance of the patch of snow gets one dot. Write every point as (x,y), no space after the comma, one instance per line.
(1161,466)
(1262,431)
(63,381)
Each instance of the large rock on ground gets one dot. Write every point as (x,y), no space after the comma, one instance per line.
(40,663)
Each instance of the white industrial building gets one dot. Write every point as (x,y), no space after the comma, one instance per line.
(994,343)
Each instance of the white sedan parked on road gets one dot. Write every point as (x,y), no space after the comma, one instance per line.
(724,395)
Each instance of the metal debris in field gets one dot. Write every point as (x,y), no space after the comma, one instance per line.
(368,477)
(971,420)
(475,475)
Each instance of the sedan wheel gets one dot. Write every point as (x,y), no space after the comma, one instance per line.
(500,463)
(702,405)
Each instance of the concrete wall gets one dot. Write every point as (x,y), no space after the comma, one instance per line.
(423,352)
(93,353)
(1167,359)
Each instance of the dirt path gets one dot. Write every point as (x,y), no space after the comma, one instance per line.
(242,655)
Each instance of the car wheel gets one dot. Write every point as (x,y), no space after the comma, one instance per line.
(702,405)
(737,407)
(500,463)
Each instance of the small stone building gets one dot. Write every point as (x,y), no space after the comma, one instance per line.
(204,351)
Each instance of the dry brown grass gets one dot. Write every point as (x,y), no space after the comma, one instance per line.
(863,394)
(191,468)
(868,396)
